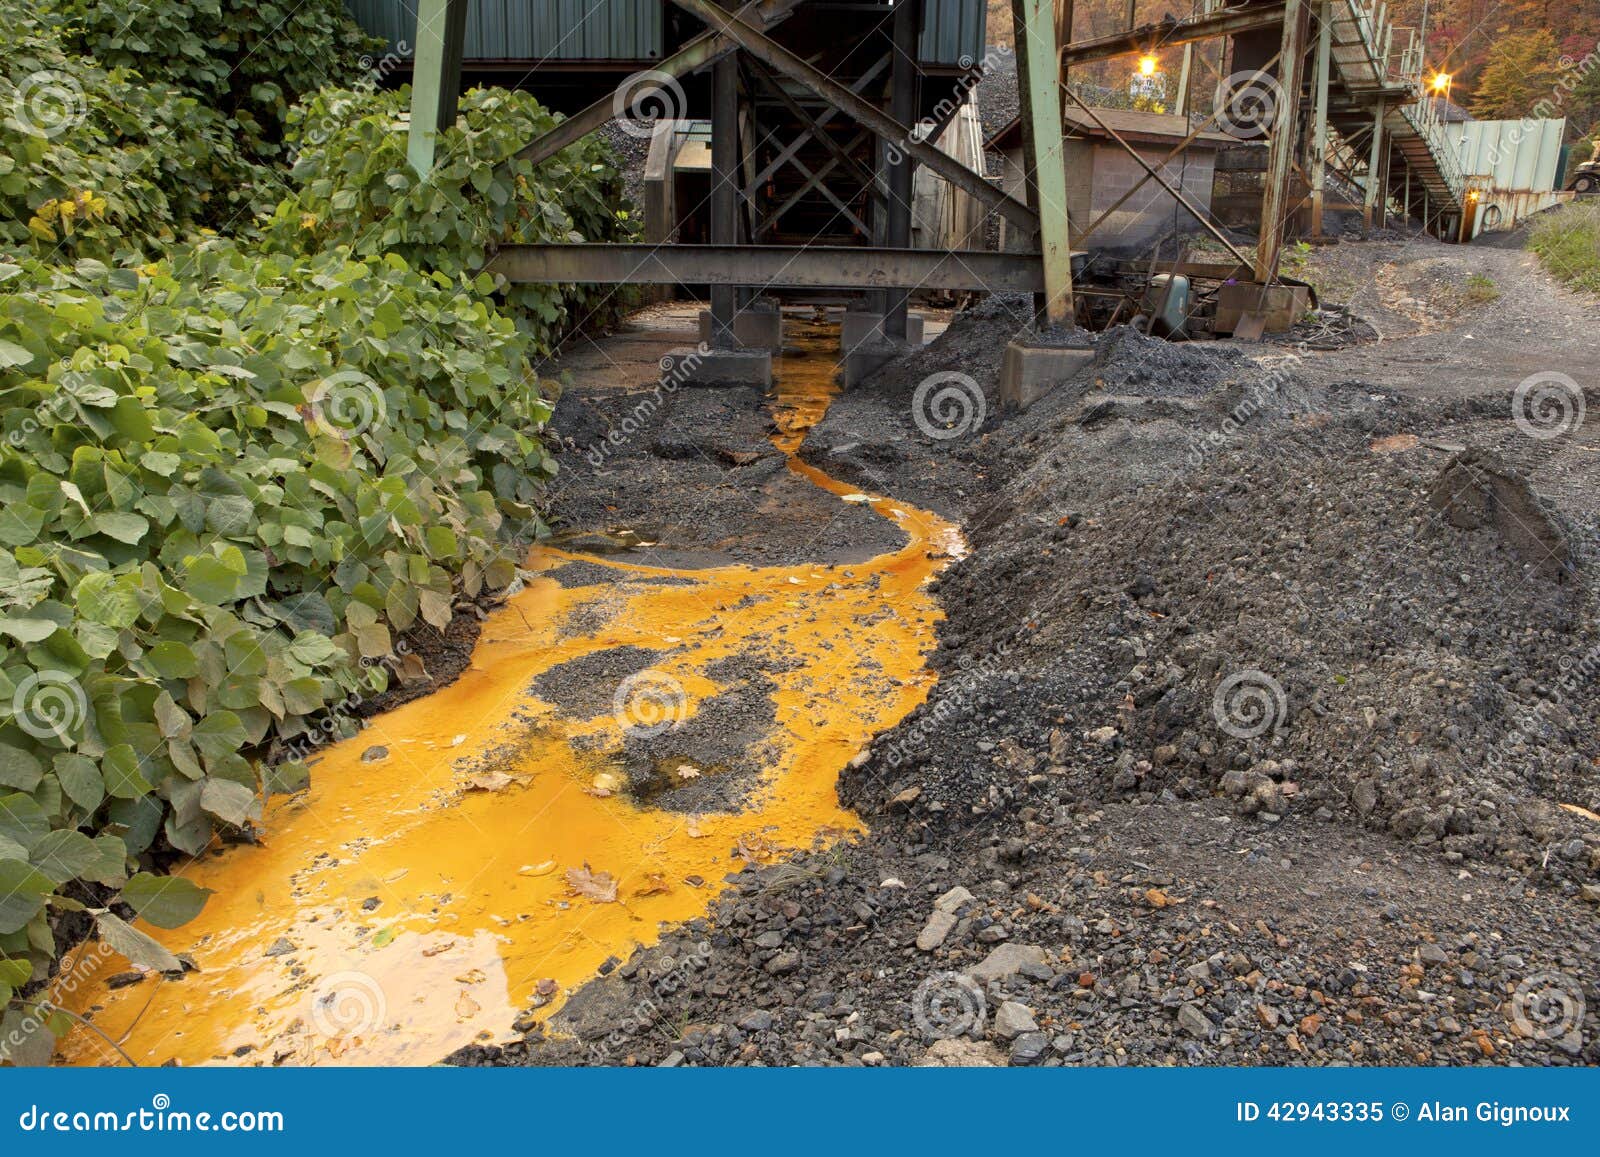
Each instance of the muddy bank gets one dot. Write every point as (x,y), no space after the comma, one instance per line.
(682,477)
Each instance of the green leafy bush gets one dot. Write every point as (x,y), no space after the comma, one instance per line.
(249,61)
(94,161)
(226,480)
(355,188)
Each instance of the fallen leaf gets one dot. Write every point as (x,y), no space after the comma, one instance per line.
(435,949)
(600,887)
(685,772)
(466,1006)
(691,826)
(458,741)
(655,884)
(540,869)
(476,976)
(753,849)
(384,936)
(489,781)
(1581,811)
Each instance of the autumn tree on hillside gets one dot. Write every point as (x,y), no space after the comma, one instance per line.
(1522,72)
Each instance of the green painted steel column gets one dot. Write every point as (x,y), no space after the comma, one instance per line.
(1375,167)
(435,77)
(1039,86)
(1319,134)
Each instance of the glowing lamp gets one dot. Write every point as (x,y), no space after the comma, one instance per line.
(1147,66)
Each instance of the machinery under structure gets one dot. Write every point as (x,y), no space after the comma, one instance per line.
(820,112)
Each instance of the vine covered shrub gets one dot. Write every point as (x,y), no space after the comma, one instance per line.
(355,188)
(226,480)
(250,61)
(97,161)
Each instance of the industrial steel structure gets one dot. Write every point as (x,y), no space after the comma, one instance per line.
(821,111)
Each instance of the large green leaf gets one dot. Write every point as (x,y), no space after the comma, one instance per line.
(23,889)
(19,769)
(165,901)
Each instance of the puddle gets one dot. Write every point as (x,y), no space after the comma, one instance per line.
(404,907)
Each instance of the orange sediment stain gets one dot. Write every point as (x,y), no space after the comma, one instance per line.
(404,907)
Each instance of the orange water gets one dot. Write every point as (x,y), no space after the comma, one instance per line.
(476,914)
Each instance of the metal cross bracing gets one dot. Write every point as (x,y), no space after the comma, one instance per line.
(819,114)
(820,111)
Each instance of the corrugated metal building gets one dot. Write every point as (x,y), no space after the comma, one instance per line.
(1512,165)
(629,31)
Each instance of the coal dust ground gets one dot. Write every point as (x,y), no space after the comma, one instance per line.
(1266,729)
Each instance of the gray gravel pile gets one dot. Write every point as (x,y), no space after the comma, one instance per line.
(1161,933)
(1291,620)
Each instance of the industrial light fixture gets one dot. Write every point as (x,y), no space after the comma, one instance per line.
(1147,65)
(1441,82)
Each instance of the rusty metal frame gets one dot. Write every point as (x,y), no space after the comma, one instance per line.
(762,47)
(1285,133)
(697,53)
(1176,152)
(1151,174)
(1228,22)
(799,266)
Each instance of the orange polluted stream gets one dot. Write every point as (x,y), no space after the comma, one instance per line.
(394,912)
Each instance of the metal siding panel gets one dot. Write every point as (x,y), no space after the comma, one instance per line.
(532,29)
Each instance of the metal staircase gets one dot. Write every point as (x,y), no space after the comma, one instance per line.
(1377,71)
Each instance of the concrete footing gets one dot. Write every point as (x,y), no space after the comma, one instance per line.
(858,326)
(708,367)
(1030,371)
(868,357)
(758,329)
